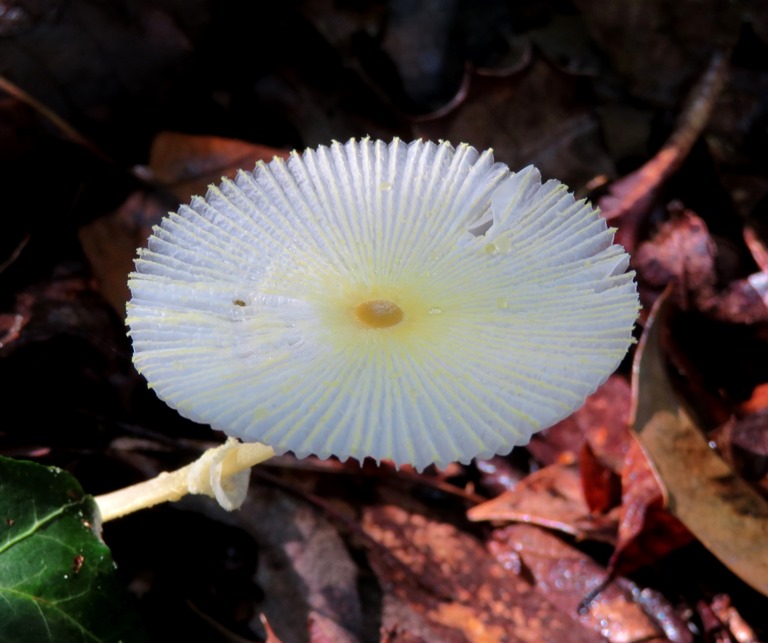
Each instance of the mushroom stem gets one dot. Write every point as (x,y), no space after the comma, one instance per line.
(222,473)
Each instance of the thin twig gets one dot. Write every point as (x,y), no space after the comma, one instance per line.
(52,117)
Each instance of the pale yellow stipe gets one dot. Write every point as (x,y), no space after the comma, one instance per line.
(222,473)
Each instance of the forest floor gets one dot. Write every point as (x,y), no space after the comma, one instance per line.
(603,527)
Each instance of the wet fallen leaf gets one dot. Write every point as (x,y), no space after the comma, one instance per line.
(441,584)
(499,474)
(577,585)
(304,563)
(732,620)
(719,508)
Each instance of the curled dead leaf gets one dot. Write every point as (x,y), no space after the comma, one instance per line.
(551,497)
(727,515)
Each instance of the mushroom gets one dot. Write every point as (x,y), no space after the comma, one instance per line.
(413,302)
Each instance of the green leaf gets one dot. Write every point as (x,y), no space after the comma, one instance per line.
(57,577)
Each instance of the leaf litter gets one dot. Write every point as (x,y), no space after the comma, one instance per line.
(579,536)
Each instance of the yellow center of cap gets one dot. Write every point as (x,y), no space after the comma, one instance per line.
(379,313)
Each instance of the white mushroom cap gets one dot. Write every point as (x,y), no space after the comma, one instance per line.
(413,302)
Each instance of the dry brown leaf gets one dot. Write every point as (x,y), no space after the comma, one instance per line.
(181,165)
(719,508)
(110,243)
(305,570)
(186,164)
(551,497)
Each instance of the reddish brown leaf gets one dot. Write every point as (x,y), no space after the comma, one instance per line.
(681,253)
(757,402)
(110,242)
(605,419)
(744,442)
(303,563)
(559,444)
(551,497)
(729,616)
(65,305)
(182,164)
(602,420)
(600,485)
(647,532)
(756,247)
(568,577)
(186,164)
(744,301)
(323,629)
(440,584)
